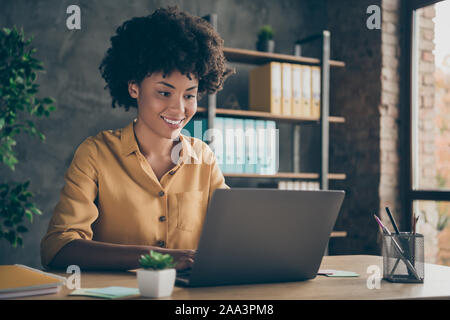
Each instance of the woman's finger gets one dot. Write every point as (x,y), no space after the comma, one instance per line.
(185,264)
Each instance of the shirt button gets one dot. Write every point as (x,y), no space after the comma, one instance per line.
(161,193)
(162,218)
(161,243)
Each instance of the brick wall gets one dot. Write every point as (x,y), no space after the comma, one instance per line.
(389,108)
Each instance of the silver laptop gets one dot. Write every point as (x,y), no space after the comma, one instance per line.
(263,235)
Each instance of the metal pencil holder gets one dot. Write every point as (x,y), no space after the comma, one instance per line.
(403,257)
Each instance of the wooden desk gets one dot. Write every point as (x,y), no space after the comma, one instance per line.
(436,285)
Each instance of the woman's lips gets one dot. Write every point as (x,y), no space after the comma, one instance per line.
(173,123)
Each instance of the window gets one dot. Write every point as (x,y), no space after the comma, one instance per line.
(434,224)
(429,132)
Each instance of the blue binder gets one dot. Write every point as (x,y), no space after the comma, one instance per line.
(260,146)
(217,142)
(188,129)
(229,146)
(239,145)
(250,146)
(195,128)
(272,147)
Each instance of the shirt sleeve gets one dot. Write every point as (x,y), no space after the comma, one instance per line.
(76,211)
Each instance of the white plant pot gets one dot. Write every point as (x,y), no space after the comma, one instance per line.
(156,283)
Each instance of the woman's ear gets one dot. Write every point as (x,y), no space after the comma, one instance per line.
(133,89)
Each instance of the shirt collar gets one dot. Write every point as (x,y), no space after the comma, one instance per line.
(129,145)
(128,139)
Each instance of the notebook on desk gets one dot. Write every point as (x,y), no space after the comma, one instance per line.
(20,281)
(263,235)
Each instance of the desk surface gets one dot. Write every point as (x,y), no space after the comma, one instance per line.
(436,285)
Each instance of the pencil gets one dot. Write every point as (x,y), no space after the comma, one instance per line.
(415,223)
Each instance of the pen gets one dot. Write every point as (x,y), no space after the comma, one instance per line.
(391,217)
(386,231)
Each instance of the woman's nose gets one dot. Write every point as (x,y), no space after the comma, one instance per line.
(179,105)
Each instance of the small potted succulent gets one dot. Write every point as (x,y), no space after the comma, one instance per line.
(156,278)
(265,39)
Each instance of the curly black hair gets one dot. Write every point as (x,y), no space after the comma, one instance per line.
(165,41)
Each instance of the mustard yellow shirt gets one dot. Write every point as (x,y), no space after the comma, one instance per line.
(111,194)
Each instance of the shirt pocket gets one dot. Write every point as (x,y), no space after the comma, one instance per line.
(191,210)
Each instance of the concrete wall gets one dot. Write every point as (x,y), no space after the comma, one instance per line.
(71,59)
(367,94)
(366,147)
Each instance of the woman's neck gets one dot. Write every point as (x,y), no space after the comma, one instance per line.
(150,144)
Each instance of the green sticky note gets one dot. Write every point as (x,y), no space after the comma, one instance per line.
(107,293)
(344,274)
(337,273)
(116,291)
(86,293)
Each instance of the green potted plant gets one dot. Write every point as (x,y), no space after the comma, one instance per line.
(18,104)
(156,277)
(266,42)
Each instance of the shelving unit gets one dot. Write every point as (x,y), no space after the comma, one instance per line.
(287,175)
(258,58)
(267,116)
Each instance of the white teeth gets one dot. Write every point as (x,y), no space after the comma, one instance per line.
(172,122)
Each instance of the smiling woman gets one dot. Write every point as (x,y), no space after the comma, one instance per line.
(166,104)
(136,189)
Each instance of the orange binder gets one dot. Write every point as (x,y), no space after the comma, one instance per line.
(296,90)
(265,88)
(306,91)
(315,82)
(286,89)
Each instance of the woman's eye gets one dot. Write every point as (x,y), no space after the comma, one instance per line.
(163,93)
(167,94)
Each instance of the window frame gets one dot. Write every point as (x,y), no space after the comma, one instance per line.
(410,193)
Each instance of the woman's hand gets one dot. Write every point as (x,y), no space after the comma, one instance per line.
(184,258)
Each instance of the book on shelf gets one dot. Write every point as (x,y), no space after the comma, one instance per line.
(239,136)
(265,88)
(250,146)
(298,185)
(286,89)
(296,90)
(306,91)
(229,146)
(196,128)
(240,145)
(272,148)
(260,146)
(217,142)
(315,90)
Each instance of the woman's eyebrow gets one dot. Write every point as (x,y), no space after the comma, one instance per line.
(169,85)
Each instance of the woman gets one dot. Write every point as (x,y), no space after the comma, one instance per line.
(146,186)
